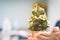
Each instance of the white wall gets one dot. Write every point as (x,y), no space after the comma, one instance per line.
(16,11)
(53,11)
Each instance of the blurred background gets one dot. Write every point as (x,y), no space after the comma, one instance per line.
(14,15)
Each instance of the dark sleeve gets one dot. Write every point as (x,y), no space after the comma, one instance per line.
(58,24)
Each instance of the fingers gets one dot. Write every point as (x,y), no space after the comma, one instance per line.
(30,37)
(47,34)
(41,37)
(37,38)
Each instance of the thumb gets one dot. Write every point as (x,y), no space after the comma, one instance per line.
(29,37)
(55,29)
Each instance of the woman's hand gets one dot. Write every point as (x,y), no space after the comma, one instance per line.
(54,35)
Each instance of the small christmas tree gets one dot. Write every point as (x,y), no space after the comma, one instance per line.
(38,20)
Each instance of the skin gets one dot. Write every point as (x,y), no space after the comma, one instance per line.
(54,35)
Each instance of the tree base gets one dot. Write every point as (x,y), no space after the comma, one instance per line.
(36,32)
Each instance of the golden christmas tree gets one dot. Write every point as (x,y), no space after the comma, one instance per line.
(38,20)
